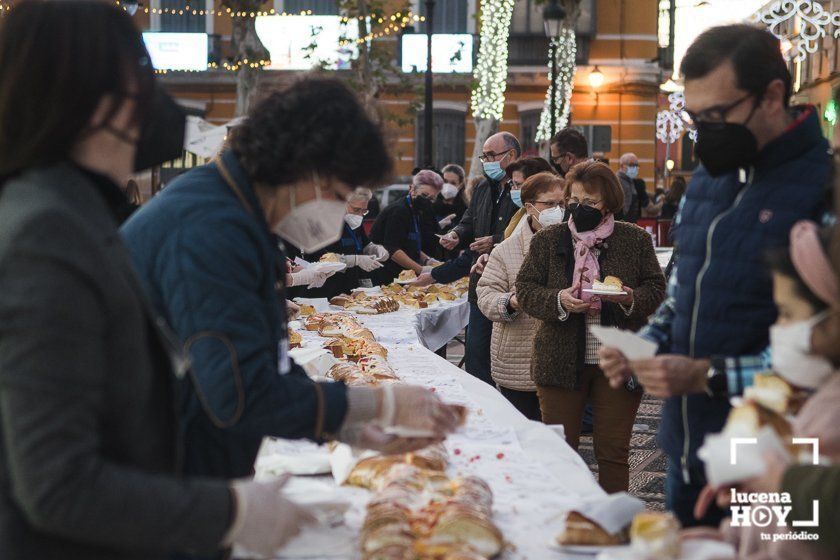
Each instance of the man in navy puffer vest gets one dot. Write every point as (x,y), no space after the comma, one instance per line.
(765,166)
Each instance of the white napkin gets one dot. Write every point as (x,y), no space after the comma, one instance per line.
(316,362)
(633,346)
(613,513)
(716,453)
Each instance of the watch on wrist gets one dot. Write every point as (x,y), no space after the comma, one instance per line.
(716,381)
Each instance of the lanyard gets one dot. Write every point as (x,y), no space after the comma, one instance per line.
(415,224)
(231,183)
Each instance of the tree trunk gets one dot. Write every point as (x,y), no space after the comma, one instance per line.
(484,128)
(248,50)
(364,70)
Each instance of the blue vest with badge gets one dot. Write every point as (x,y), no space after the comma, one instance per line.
(724,297)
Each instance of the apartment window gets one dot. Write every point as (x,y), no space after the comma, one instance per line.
(529,122)
(186,23)
(448,133)
(450,16)
(318,7)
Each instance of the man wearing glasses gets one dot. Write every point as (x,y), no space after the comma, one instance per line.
(482,226)
(353,249)
(765,165)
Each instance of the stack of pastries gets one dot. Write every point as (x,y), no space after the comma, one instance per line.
(364,304)
(419,512)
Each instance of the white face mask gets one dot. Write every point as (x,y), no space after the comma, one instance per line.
(449,191)
(551,216)
(354,220)
(790,347)
(313,225)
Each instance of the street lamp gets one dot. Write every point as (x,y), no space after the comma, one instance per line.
(596,78)
(553,14)
(428,112)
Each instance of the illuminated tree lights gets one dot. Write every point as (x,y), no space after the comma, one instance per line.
(490,74)
(566,54)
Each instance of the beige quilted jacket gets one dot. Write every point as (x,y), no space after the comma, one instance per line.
(513,335)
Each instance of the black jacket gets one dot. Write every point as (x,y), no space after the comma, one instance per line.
(89,451)
(489,213)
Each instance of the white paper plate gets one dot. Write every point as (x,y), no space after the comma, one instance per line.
(604,292)
(329,266)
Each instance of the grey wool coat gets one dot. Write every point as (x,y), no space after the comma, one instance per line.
(560,346)
(88,432)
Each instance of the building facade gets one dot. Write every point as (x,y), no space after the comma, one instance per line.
(620,37)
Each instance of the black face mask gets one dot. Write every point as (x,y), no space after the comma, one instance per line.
(558,169)
(162,133)
(724,147)
(421,203)
(586,218)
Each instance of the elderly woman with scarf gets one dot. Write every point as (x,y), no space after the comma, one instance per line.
(555,286)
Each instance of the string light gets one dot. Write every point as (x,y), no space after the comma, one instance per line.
(491,68)
(566,59)
(404,21)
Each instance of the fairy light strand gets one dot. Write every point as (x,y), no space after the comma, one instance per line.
(566,55)
(491,68)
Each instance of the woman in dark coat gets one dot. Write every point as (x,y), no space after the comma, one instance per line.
(553,285)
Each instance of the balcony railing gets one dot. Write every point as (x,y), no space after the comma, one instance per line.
(530,49)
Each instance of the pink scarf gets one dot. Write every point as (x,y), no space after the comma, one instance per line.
(587,270)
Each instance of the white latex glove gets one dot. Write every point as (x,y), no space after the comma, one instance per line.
(367,262)
(419,408)
(426,270)
(310,278)
(349,260)
(433,262)
(265,520)
(378,251)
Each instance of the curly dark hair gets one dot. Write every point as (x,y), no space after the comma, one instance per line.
(315,125)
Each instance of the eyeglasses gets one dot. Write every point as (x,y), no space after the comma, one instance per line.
(550,203)
(491,156)
(585,201)
(357,211)
(559,158)
(712,115)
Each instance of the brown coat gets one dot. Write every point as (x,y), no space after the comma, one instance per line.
(559,347)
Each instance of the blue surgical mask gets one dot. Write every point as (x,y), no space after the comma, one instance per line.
(494,171)
(516,197)
(633,171)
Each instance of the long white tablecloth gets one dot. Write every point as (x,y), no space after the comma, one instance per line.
(534,474)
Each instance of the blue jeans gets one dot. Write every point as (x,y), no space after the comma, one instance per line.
(477,352)
(681,497)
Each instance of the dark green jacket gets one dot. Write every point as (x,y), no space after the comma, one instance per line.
(807,483)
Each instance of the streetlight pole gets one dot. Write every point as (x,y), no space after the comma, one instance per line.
(428,111)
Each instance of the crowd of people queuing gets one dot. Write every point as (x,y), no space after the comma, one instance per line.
(186,299)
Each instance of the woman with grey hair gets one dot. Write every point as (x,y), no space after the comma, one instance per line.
(406,228)
(353,249)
